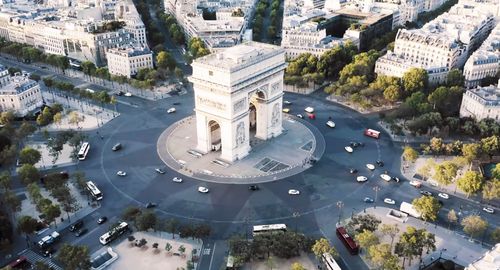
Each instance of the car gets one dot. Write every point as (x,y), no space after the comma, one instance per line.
(81,232)
(362,144)
(171,110)
(177,179)
(286,110)
(286,102)
(77,225)
(203,189)
(121,173)
(300,116)
(293,192)
(253,187)
(330,123)
(354,144)
(361,178)
(151,205)
(312,116)
(160,171)
(128,94)
(102,219)
(176,103)
(309,109)
(353,171)
(489,210)
(389,201)
(416,183)
(425,193)
(349,149)
(444,195)
(370,166)
(120,93)
(396,179)
(380,163)
(385,177)
(368,200)
(117,147)
(48,251)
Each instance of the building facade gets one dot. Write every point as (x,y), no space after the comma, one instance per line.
(481,103)
(127,61)
(238,93)
(20,95)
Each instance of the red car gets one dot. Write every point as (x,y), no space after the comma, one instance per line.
(312,116)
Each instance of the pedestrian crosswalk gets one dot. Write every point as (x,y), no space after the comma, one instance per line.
(206,251)
(34,257)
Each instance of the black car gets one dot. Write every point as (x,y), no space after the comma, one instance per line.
(396,179)
(354,144)
(117,147)
(353,171)
(151,205)
(176,103)
(81,232)
(120,93)
(380,163)
(77,225)
(426,193)
(253,187)
(101,220)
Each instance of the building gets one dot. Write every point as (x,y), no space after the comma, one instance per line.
(238,91)
(481,103)
(485,61)
(19,95)
(127,61)
(442,44)
(490,260)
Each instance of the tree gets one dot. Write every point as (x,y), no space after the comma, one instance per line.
(57,118)
(27,224)
(495,235)
(51,212)
(29,155)
(12,201)
(446,100)
(297,266)
(470,182)
(28,174)
(471,151)
(427,206)
(172,226)
(490,145)
(88,68)
(415,80)
(410,154)
(130,213)
(25,129)
(168,247)
(322,246)
(378,254)
(75,118)
(436,145)
(181,249)
(146,220)
(42,266)
(5,181)
(390,230)
(455,78)
(474,225)
(366,239)
(452,217)
(178,72)
(491,189)
(445,172)
(6,117)
(359,223)
(74,257)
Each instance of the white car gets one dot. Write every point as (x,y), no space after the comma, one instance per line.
(444,195)
(160,171)
(330,123)
(309,109)
(489,210)
(128,94)
(300,116)
(349,149)
(286,102)
(389,201)
(293,192)
(121,173)
(171,110)
(177,179)
(386,177)
(416,183)
(370,166)
(203,189)
(361,178)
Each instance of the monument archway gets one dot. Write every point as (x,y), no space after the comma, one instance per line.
(238,88)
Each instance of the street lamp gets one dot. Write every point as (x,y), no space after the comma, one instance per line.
(376,189)
(340,204)
(295,215)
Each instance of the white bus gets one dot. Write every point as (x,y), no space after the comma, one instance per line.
(84,150)
(94,191)
(113,233)
(329,262)
(269,228)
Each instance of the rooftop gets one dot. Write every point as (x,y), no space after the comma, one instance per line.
(488,94)
(490,260)
(489,51)
(130,51)
(17,85)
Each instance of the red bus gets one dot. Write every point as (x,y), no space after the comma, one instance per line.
(347,240)
(372,133)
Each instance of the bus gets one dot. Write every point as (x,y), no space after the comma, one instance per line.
(257,229)
(349,243)
(94,191)
(113,233)
(329,262)
(84,150)
(372,133)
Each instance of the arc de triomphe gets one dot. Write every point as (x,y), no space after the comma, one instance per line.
(237,90)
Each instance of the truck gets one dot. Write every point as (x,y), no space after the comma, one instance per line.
(409,209)
(48,240)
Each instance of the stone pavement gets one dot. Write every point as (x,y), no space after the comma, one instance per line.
(64,158)
(449,245)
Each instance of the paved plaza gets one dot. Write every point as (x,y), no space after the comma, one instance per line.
(277,158)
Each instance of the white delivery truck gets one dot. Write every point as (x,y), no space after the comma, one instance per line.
(48,240)
(409,209)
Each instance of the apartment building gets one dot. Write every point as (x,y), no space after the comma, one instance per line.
(127,61)
(19,94)
(481,103)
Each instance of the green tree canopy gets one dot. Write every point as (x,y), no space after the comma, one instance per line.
(74,257)
(474,225)
(491,190)
(322,246)
(427,206)
(445,172)
(27,224)
(471,151)
(28,174)
(415,80)
(29,155)
(455,78)
(366,239)
(410,154)
(470,182)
